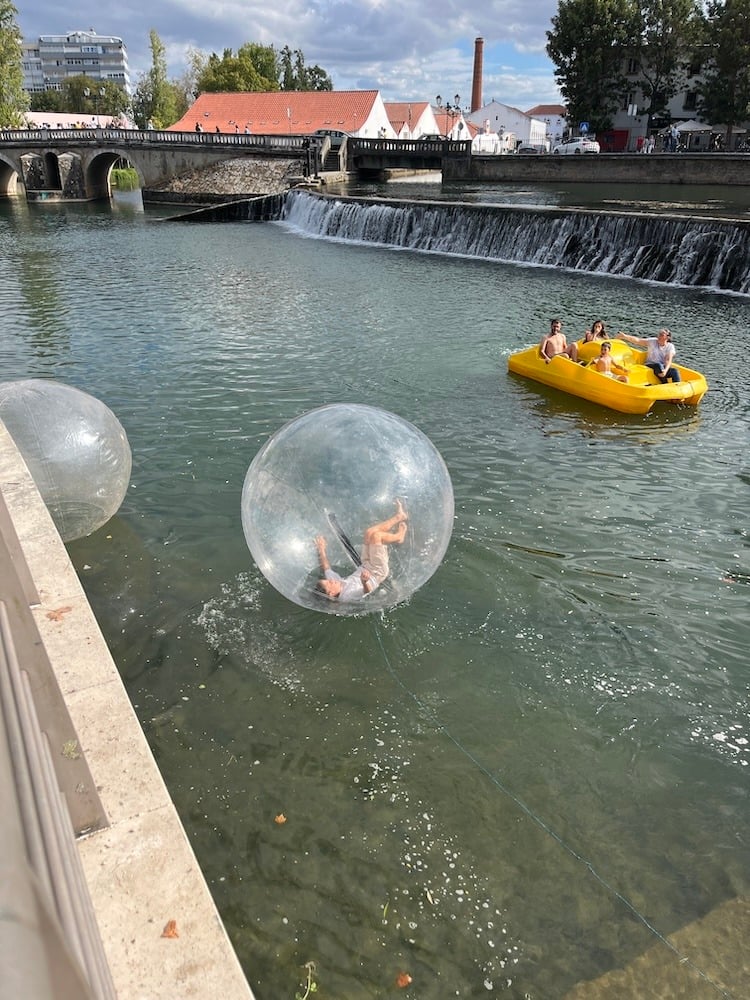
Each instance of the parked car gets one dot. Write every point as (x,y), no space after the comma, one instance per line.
(336,135)
(431,137)
(530,149)
(581,144)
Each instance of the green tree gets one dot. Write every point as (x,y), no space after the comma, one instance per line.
(725,92)
(258,68)
(296,76)
(287,69)
(318,79)
(187,84)
(667,34)
(13,99)
(587,45)
(157,99)
(84,96)
(252,67)
(47,100)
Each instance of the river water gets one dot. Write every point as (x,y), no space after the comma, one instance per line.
(534,770)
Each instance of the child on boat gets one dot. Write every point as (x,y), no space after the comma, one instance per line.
(605,365)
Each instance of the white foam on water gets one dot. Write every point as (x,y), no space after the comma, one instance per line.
(233,627)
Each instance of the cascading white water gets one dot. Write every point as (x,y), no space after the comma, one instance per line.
(679,250)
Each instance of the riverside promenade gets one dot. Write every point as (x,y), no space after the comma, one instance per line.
(161,933)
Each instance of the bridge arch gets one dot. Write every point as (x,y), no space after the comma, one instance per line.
(9,177)
(52,172)
(98,168)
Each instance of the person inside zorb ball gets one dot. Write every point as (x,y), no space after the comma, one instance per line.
(347,509)
(373,564)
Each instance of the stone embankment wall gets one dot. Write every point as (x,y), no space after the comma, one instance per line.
(602,168)
(245,177)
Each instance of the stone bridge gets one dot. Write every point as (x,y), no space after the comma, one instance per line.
(74,164)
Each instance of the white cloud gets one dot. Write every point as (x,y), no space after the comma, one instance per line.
(409,50)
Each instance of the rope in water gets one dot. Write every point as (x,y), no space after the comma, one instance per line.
(431,716)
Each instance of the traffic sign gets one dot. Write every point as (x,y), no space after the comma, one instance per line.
(583,128)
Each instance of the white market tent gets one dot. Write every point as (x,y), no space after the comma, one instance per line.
(692,129)
(692,126)
(58,119)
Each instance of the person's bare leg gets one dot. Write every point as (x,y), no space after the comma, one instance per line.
(390,532)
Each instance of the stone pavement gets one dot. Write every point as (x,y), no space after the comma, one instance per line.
(162,935)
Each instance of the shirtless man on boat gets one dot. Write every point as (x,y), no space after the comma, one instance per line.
(555,344)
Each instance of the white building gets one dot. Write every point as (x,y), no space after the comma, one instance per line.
(555,122)
(502,119)
(487,142)
(50,59)
(410,120)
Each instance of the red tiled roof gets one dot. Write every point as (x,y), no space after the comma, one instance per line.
(546,109)
(280,112)
(404,112)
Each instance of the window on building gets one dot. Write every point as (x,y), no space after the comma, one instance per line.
(693,68)
(691,101)
(633,67)
(627,100)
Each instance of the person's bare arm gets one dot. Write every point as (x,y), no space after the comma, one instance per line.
(320,545)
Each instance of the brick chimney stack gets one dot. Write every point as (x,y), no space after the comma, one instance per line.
(476,85)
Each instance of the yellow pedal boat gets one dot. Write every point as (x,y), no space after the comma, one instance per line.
(637,395)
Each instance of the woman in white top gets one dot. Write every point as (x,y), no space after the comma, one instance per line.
(660,352)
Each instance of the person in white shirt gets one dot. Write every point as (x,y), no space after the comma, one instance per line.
(374,556)
(660,352)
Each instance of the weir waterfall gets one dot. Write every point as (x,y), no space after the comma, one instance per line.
(669,249)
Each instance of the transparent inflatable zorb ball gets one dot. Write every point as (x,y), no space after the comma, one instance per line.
(75,448)
(334,473)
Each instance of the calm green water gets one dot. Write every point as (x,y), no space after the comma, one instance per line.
(536,767)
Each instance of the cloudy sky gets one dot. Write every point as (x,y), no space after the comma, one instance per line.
(407,49)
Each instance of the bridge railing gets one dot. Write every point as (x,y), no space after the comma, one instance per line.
(417,146)
(129,136)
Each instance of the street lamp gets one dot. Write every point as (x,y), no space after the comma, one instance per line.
(101,93)
(452,110)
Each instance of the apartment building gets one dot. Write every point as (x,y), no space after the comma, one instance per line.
(50,59)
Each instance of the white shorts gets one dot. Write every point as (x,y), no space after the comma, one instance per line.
(375,558)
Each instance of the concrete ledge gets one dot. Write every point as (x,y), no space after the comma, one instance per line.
(141,870)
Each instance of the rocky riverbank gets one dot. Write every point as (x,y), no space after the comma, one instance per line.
(244,177)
